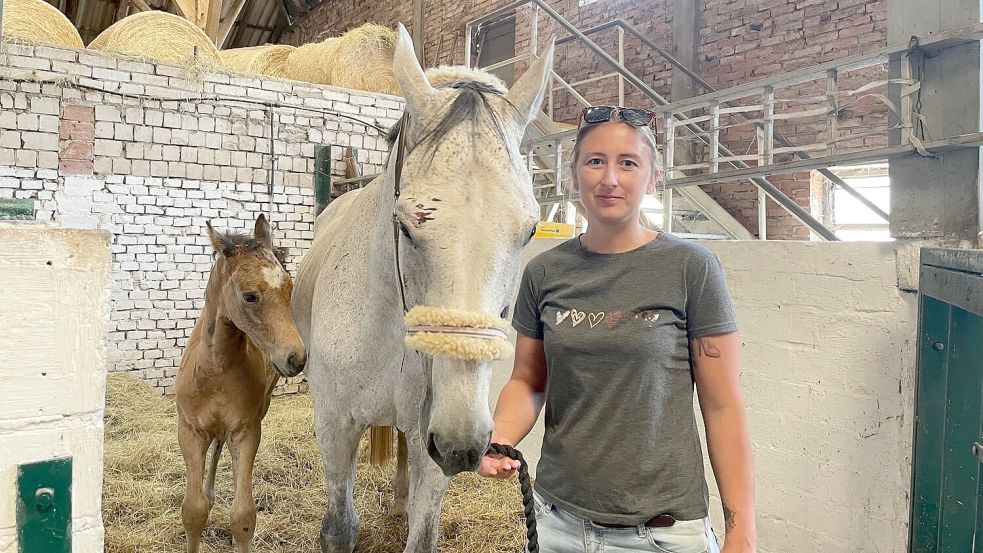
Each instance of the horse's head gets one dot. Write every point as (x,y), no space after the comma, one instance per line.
(465,210)
(254,294)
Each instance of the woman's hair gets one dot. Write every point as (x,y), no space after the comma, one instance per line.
(646,133)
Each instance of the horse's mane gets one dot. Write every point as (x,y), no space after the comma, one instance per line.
(472,103)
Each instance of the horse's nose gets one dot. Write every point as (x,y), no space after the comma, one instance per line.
(297,361)
(451,459)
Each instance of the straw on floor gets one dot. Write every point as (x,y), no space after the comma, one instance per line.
(144,483)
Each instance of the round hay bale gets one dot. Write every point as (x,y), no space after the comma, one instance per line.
(159,36)
(313,62)
(364,60)
(36,21)
(269,59)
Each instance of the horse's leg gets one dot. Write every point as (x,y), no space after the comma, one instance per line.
(337,438)
(427,487)
(401,482)
(195,507)
(214,452)
(243,446)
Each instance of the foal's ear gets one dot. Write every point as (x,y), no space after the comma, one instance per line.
(222,246)
(262,232)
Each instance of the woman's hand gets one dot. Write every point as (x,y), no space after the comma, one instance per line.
(496,465)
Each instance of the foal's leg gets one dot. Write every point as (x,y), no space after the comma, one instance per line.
(195,507)
(214,453)
(427,487)
(401,482)
(337,438)
(243,516)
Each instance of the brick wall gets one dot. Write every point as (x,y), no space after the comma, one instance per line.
(151,152)
(739,41)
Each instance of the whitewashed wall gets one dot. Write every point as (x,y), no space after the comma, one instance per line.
(828,362)
(151,151)
(54,310)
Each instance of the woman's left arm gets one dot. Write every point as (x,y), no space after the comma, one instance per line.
(715,367)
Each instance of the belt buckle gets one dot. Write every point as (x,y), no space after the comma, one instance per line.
(664,520)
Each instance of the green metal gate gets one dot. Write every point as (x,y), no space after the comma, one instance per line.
(947,488)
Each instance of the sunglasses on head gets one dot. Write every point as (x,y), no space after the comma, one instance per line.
(602,114)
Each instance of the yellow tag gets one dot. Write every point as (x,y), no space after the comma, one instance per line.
(553,230)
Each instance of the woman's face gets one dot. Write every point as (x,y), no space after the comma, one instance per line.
(613,172)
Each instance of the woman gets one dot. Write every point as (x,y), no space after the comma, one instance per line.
(620,322)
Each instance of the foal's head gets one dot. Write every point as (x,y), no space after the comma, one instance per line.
(255,295)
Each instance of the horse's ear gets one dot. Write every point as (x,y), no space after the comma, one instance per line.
(410,76)
(262,232)
(221,245)
(527,93)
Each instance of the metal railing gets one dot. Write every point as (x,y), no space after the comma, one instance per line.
(758,180)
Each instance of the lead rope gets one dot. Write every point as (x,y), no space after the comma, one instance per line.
(528,505)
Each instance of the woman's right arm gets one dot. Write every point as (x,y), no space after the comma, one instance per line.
(518,405)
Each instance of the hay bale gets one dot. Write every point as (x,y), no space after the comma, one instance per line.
(364,60)
(313,62)
(269,59)
(36,21)
(360,59)
(143,485)
(160,36)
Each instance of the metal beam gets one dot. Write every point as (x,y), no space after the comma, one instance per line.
(418,28)
(936,146)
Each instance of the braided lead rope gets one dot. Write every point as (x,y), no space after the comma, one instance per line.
(528,505)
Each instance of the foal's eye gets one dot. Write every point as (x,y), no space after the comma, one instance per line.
(250,297)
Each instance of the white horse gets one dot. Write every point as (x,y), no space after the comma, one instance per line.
(464,208)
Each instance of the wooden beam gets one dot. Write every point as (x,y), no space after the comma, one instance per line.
(141,5)
(211,11)
(225,28)
(187,9)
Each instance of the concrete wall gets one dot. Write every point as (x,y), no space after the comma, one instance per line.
(828,362)
(54,311)
(151,152)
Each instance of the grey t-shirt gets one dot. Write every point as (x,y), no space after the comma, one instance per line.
(621,442)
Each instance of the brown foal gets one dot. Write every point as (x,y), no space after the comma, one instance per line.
(225,381)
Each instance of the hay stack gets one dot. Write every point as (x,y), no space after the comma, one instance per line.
(159,36)
(313,62)
(364,60)
(360,59)
(144,484)
(36,21)
(269,59)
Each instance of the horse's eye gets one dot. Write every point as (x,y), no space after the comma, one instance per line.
(531,234)
(406,231)
(250,297)
(505,312)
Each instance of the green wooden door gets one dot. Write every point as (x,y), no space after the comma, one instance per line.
(947,488)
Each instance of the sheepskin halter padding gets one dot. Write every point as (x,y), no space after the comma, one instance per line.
(457,334)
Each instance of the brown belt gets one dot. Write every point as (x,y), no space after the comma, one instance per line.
(658,521)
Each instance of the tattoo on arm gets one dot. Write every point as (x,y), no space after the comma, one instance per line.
(705,347)
(728,518)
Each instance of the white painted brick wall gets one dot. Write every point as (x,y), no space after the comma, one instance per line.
(163,167)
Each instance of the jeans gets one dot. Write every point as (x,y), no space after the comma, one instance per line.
(563,532)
